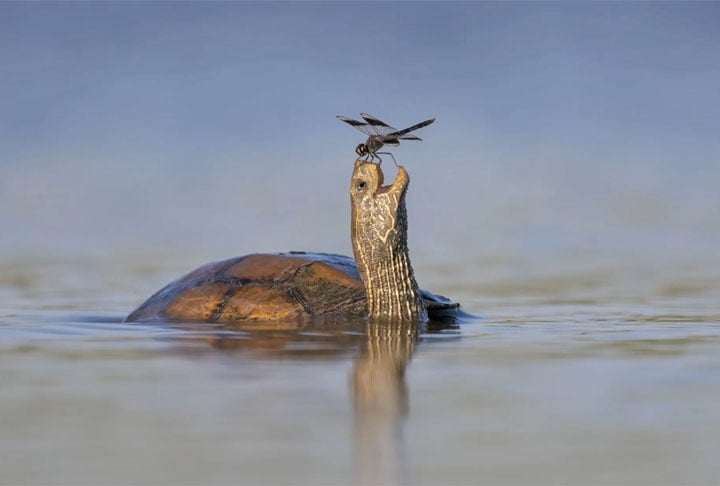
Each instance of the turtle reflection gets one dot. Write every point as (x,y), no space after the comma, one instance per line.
(380,400)
(378,388)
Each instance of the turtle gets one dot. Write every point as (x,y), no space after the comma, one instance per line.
(378,283)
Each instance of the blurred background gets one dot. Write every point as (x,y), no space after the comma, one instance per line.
(565,131)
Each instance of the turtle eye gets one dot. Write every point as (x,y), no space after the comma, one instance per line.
(361,185)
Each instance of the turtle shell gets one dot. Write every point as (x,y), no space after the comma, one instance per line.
(264,287)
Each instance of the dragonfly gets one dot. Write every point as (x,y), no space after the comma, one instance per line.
(379,134)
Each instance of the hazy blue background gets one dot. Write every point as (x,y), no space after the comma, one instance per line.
(585,129)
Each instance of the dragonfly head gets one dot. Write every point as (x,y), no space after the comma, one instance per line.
(361,150)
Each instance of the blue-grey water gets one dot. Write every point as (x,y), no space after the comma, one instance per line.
(574,373)
(567,195)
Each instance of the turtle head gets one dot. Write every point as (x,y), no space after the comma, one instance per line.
(379,238)
(376,207)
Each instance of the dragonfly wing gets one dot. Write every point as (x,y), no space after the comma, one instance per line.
(410,137)
(380,127)
(362,126)
(400,133)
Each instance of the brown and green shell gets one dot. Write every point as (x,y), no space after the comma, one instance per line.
(269,287)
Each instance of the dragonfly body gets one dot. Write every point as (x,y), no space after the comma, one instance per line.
(380,134)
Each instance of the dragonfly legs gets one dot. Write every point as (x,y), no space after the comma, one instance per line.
(376,155)
(371,157)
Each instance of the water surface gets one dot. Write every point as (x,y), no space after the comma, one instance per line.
(571,375)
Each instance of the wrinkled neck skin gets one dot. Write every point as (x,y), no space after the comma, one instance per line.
(379,237)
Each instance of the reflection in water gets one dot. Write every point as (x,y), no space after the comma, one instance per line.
(378,387)
(329,404)
(328,338)
(380,400)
